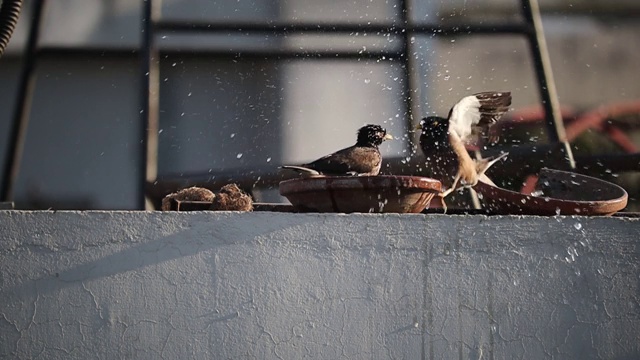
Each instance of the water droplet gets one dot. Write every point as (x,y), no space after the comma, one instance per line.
(232,135)
(239,156)
(189,94)
(366,81)
(160,131)
(578,226)
(268,159)
(557,211)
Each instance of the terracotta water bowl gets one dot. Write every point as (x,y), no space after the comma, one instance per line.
(348,194)
(557,193)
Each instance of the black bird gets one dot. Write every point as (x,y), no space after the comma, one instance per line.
(443,140)
(361,159)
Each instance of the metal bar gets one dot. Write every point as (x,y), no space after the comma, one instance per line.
(9,205)
(548,92)
(620,10)
(410,85)
(471,29)
(319,28)
(20,123)
(150,93)
(226,54)
(288,208)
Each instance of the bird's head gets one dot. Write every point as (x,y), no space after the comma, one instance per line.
(433,126)
(372,135)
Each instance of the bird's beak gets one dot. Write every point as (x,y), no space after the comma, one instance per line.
(418,127)
(387,137)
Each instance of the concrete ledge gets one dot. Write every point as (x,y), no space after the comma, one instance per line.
(142,285)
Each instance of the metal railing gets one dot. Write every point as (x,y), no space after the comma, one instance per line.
(153,26)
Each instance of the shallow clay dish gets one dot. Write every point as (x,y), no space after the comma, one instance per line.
(347,194)
(557,193)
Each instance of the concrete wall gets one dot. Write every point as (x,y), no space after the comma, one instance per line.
(118,285)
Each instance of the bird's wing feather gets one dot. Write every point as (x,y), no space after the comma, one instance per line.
(474,114)
(354,159)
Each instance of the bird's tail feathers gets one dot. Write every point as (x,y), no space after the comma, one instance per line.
(302,170)
(483,165)
(485,179)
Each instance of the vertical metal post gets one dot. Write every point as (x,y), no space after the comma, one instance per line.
(408,67)
(548,93)
(149,113)
(19,125)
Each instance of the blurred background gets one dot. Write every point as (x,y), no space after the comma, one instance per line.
(225,106)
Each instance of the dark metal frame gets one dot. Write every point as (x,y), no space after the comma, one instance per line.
(18,131)
(149,54)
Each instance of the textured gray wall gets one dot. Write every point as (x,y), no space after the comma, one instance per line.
(116,285)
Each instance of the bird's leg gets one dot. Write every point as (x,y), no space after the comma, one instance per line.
(443,194)
(452,187)
(443,204)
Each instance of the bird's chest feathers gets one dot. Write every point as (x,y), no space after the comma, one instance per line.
(441,156)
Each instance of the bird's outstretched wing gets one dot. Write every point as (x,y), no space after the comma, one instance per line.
(473,115)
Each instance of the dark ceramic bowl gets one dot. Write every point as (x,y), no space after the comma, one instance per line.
(348,194)
(557,193)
